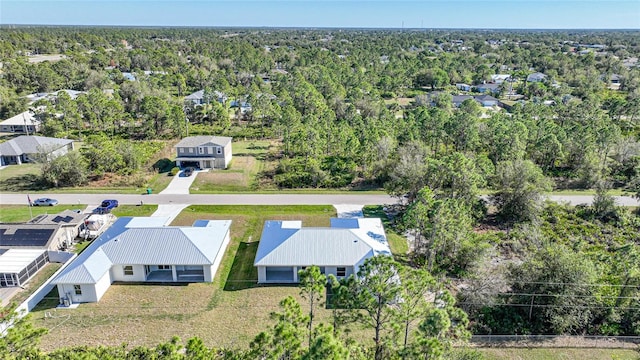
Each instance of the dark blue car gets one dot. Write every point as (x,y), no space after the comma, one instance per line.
(106,206)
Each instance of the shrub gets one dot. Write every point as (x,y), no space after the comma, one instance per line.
(174,171)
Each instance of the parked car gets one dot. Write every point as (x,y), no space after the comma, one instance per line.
(45,202)
(188,171)
(106,206)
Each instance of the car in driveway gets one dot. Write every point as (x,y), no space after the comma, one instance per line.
(188,171)
(106,206)
(45,202)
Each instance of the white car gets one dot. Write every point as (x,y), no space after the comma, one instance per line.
(45,202)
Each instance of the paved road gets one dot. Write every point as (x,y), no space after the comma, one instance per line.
(261,199)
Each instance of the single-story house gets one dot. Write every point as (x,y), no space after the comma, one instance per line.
(198,97)
(129,76)
(204,152)
(25,149)
(487,100)
(459,99)
(35,236)
(24,122)
(500,78)
(143,249)
(488,88)
(69,221)
(286,247)
(536,77)
(463,87)
(17,266)
(73,94)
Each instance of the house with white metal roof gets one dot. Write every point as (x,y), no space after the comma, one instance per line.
(145,250)
(286,247)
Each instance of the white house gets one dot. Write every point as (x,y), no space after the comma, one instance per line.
(143,249)
(286,247)
(24,122)
(500,78)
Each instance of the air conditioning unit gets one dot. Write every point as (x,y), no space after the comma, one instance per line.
(66,302)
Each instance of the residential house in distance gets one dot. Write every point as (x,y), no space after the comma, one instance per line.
(198,97)
(500,78)
(24,122)
(286,247)
(144,249)
(536,77)
(25,149)
(463,87)
(204,152)
(129,76)
(487,100)
(73,94)
(489,88)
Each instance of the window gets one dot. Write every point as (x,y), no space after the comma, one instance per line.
(342,271)
(190,150)
(164,267)
(77,289)
(180,150)
(200,150)
(219,150)
(128,270)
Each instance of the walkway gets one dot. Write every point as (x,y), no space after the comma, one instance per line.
(169,211)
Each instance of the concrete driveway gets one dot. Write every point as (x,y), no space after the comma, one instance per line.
(169,211)
(180,183)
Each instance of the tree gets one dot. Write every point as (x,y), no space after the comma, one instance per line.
(435,77)
(21,339)
(66,170)
(379,287)
(519,186)
(312,285)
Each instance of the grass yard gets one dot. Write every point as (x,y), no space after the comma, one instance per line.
(134,210)
(249,158)
(557,353)
(20,213)
(18,178)
(230,312)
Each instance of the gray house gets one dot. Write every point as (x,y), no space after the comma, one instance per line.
(536,77)
(204,152)
(286,247)
(30,148)
(198,97)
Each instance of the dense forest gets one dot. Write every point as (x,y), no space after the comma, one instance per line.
(379,109)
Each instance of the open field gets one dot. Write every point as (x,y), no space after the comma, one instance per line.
(20,213)
(249,158)
(557,353)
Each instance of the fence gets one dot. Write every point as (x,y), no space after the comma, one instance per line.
(556,341)
(33,300)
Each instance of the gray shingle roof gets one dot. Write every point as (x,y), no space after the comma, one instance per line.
(194,141)
(31,145)
(21,119)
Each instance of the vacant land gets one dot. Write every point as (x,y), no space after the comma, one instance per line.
(20,213)
(557,353)
(249,159)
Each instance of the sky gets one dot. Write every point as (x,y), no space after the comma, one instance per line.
(474,14)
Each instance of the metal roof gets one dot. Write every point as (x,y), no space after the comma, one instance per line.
(25,144)
(193,141)
(15,260)
(145,241)
(346,242)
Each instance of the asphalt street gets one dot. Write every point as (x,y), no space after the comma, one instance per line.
(259,199)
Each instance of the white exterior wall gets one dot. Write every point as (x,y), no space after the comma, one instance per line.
(214,268)
(262,274)
(88,293)
(102,285)
(227,154)
(117,273)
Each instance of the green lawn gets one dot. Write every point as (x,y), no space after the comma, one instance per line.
(20,213)
(558,353)
(134,210)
